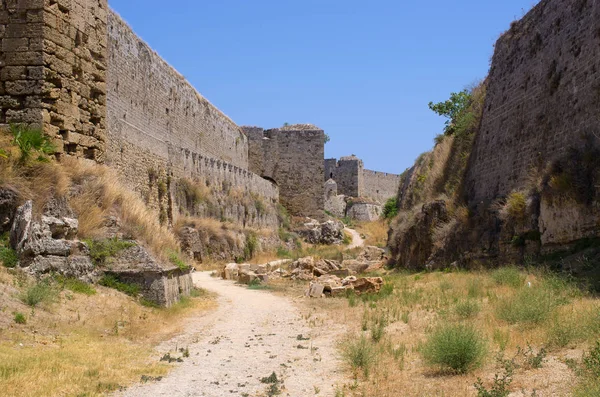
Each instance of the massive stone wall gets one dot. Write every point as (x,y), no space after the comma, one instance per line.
(543,95)
(153,106)
(54,71)
(292,157)
(159,124)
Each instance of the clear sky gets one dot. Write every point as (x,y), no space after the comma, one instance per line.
(364,71)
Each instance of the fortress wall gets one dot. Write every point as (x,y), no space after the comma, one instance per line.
(291,157)
(158,123)
(347,172)
(543,95)
(380,186)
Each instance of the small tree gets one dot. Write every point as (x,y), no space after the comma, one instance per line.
(454,109)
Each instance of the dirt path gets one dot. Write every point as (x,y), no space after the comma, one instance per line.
(357,241)
(251,335)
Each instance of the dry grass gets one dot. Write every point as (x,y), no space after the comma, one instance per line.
(84,345)
(94,193)
(376,233)
(418,303)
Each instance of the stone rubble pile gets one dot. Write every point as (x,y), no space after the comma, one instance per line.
(326,277)
(326,233)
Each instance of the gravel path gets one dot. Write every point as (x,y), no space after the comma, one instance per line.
(251,335)
(357,241)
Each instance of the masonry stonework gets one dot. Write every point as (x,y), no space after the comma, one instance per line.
(353,180)
(291,157)
(75,69)
(543,95)
(159,124)
(54,71)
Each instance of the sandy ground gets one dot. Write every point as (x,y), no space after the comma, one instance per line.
(251,335)
(357,241)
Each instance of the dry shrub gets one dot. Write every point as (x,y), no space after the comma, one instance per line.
(98,193)
(94,192)
(515,207)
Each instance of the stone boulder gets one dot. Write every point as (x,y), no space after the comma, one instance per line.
(326,233)
(367,285)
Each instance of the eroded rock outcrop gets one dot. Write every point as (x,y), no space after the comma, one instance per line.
(50,245)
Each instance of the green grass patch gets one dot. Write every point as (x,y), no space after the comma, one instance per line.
(112,281)
(8,256)
(510,276)
(176,260)
(467,309)
(75,285)
(102,250)
(529,306)
(458,348)
(42,292)
(20,318)
(360,354)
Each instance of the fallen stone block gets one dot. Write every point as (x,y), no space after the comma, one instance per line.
(367,285)
(231,271)
(316,290)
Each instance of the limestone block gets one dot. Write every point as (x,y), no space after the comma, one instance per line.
(316,290)
(231,271)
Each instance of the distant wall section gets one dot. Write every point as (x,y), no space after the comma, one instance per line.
(380,186)
(292,158)
(353,180)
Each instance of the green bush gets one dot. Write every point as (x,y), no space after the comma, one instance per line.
(458,348)
(467,308)
(31,140)
(41,292)
(112,281)
(20,318)
(390,209)
(510,276)
(360,354)
(102,250)
(589,385)
(530,306)
(251,246)
(8,256)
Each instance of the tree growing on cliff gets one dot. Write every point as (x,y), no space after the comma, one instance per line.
(454,109)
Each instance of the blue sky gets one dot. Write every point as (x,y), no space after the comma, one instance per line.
(364,71)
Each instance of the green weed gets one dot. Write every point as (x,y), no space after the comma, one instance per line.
(458,348)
